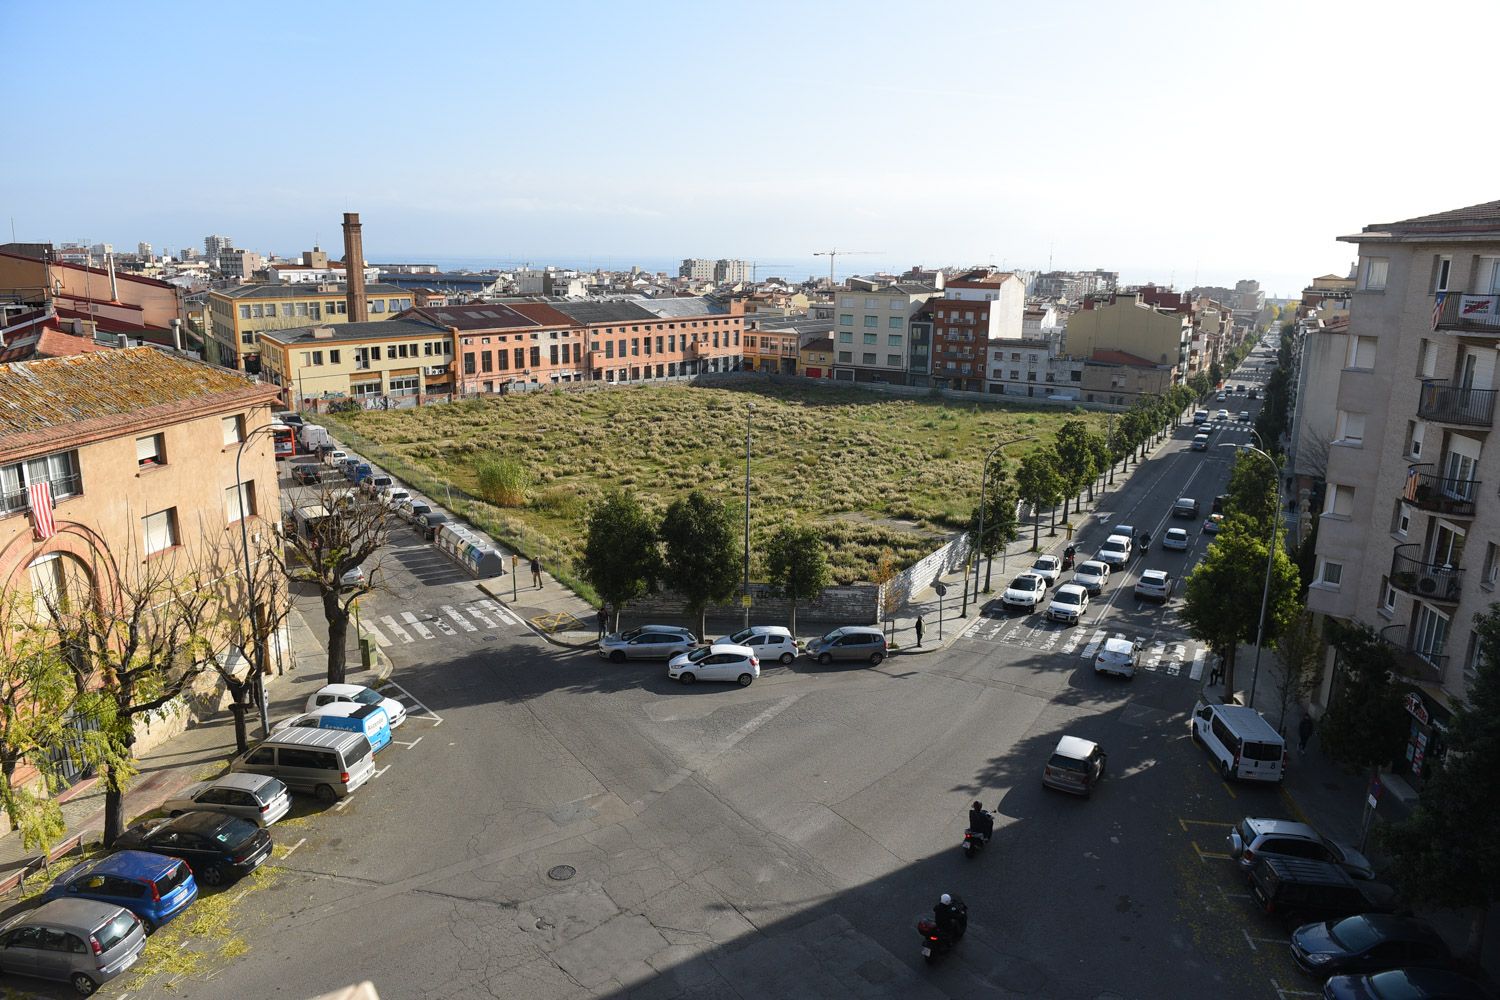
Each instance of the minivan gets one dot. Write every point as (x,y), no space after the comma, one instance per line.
(76,941)
(371,720)
(852,642)
(1200,417)
(1243,743)
(328,763)
(1311,890)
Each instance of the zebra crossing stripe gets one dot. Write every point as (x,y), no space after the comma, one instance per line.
(1197,671)
(1094,642)
(1174,662)
(477,613)
(443,627)
(500,611)
(396,630)
(463,622)
(421,629)
(375,634)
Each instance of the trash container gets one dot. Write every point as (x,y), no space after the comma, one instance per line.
(366,652)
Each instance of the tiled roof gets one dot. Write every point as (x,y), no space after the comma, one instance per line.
(1482,219)
(542,312)
(399,328)
(476,316)
(47,342)
(300,290)
(680,308)
(824,346)
(604,312)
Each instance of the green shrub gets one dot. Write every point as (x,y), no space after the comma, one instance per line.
(502,481)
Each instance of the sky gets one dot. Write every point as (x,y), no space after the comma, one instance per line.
(1177,142)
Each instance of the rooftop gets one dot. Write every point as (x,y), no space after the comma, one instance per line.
(1121,358)
(1471,222)
(475,316)
(306,290)
(401,328)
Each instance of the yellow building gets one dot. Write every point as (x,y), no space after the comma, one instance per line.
(815,360)
(773,351)
(1159,334)
(235,315)
(392,360)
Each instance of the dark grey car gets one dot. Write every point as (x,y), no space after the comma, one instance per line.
(852,642)
(78,941)
(648,642)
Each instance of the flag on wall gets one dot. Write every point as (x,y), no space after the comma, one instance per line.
(40,495)
(1437,308)
(1412,479)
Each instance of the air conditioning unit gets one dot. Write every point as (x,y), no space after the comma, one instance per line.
(437,370)
(1432,586)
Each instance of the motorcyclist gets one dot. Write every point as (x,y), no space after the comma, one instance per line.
(951,916)
(1145,540)
(1068,554)
(980,821)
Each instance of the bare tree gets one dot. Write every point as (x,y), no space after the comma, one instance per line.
(1295,667)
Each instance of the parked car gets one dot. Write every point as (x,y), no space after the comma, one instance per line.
(307,475)
(358,694)
(1118,656)
(257,797)
(722,661)
(1024,593)
(1240,740)
(1219,503)
(370,720)
(1405,984)
(336,457)
(394,496)
(767,642)
(78,941)
(153,887)
(1314,890)
(374,483)
(1369,942)
(289,417)
(412,508)
(359,472)
(1213,524)
(215,846)
(329,763)
(1176,540)
(1076,766)
(851,642)
(1091,576)
(648,642)
(1115,552)
(1049,568)
(1255,836)
(1068,604)
(353,578)
(1185,507)
(1154,585)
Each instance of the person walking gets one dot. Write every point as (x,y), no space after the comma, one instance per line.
(536,572)
(603,617)
(1304,732)
(919,631)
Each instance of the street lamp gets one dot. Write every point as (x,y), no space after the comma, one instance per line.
(745,600)
(1265,593)
(984,482)
(255,617)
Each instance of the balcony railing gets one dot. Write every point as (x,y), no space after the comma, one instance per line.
(1456,404)
(18,500)
(1451,497)
(1417,664)
(1441,583)
(1462,311)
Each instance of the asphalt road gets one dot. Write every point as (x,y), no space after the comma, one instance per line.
(781,839)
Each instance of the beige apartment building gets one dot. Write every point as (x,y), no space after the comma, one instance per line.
(1408,535)
(871,331)
(235,316)
(1150,325)
(385,361)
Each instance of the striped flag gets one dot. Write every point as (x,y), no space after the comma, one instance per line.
(40,495)
(1437,308)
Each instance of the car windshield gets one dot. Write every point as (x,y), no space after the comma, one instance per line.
(632,633)
(699,653)
(1262,751)
(235,832)
(1023,583)
(115,931)
(1063,597)
(367,697)
(831,636)
(1067,763)
(1353,934)
(742,635)
(1090,569)
(1394,985)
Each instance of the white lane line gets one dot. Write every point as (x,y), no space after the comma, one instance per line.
(374,632)
(1197,672)
(411,699)
(289,850)
(420,629)
(380,771)
(1248,939)
(488,622)
(408,745)
(1282,994)
(340,804)
(463,622)
(396,630)
(1093,645)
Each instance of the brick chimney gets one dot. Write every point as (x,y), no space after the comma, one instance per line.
(354,268)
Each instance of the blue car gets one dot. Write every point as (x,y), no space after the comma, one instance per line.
(154,887)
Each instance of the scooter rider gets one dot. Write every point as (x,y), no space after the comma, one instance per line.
(951,916)
(1145,541)
(980,821)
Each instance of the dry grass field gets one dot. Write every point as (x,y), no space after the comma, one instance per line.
(874,472)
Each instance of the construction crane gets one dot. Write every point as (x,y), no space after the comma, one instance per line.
(836,253)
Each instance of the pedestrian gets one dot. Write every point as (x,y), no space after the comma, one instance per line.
(1216,675)
(1304,732)
(603,617)
(536,572)
(919,631)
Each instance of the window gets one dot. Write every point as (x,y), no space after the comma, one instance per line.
(1413,439)
(867,359)
(377,306)
(1361,353)
(896,322)
(1426,358)
(301,308)
(1400,518)
(1491,566)
(234,429)
(317,357)
(846,356)
(870,338)
(872,303)
(1351,428)
(1441,267)
(846,319)
(244,312)
(1387,595)
(845,337)
(232,498)
(248,338)
(258,311)
(160,530)
(1375,273)
(271,310)
(468,363)
(847,301)
(1332,573)
(150,451)
(487,361)
(894,360)
(333,357)
(315,310)
(1430,635)
(1340,501)
(872,321)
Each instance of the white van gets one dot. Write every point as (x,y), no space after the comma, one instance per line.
(1243,743)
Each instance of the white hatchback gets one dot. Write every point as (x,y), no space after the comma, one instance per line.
(358,694)
(719,662)
(1115,552)
(1091,576)
(767,642)
(1068,604)
(1025,592)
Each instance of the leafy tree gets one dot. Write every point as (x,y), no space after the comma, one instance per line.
(1215,373)
(1075,459)
(1365,724)
(1252,491)
(621,559)
(502,481)
(1200,383)
(1135,430)
(1104,458)
(701,562)
(1295,668)
(1038,484)
(1001,525)
(1445,853)
(797,564)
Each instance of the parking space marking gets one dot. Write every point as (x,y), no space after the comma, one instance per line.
(417,626)
(1248,939)
(1282,994)
(410,699)
(340,804)
(374,633)
(406,744)
(289,850)
(1196,674)
(463,622)
(396,630)
(1211,855)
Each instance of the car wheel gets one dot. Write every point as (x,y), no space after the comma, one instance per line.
(1193,731)
(786,659)
(825,659)
(83,984)
(875,659)
(617,657)
(1224,771)
(687,678)
(745,680)
(147,925)
(325,794)
(175,813)
(211,875)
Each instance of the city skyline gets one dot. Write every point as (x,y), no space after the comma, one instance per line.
(1184,144)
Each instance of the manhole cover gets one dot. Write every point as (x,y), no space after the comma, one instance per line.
(561,873)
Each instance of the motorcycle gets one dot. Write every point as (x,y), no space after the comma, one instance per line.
(974,842)
(1145,543)
(1068,555)
(935,940)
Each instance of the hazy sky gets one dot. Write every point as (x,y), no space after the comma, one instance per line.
(1169,141)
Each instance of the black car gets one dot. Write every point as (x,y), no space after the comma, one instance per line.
(1219,503)
(307,475)
(1405,984)
(1369,942)
(1284,885)
(216,847)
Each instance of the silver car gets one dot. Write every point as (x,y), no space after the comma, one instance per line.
(1255,836)
(648,642)
(77,941)
(259,798)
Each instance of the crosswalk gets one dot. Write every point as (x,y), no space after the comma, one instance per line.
(412,626)
(1166,656)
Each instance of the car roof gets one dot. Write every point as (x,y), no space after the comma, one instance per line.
(331,739)
(140,864)
(1075,747)
(768,630)
(1027,576)
(1179,531)
(1049,559)
(1262,825)
(1071,588)
(242,780)
(1437,981)
(731,647)
(1154,574)
(198,821)
(1093,566)
(1391,926)
(86,914)
(1118,645)
(1118,541)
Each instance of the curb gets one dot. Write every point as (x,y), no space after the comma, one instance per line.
(546,636)
(18,877)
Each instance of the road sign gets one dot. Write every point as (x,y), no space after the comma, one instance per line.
(744,600)
(940,587)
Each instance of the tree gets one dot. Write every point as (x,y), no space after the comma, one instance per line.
(1365,724)
(335,533)
(1039,485)
(702,560)
(502,481)
(1215,373)
(1075,459)
(1001,526)
(797,565)
(1295,667)
(621,559)
(1200,383)
(1104,458)
(1252,491)
(1445,853)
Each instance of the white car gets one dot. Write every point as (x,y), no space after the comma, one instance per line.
(1091,576)
(1176,539)
(1154,585)
(1222,397)
(1025,592)
(359,695)
(1068,604)
(1118,656)
(257,797)
(1049,568)
(720,662)
(1115,552)
(1222,414)
(767,642)
(336,456)
(353,578)
(1244,416)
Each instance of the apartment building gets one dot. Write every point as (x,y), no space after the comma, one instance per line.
(107,300)
(976,307)
(407,358)
(1028,368)
(815,359)
(870,332)
(1152,326)
(696,269)
(236,316)
(515,345)
(773,344)
(637,339)
(1406,543)
(732,272)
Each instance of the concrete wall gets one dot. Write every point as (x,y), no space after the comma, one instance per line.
(1126,326)
(858,604)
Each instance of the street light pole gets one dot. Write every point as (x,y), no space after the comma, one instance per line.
(1265,592)
(256,620)
(984,482)
(745,600)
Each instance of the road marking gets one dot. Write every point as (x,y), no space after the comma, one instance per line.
(289,850)
(421,629)
(396,630)
(1093,646)
(1211,855)
(1176,651)
(370,629)
(1282,994)
(1196,674)
(500,611)
(1200,822)
(406,744)
(463,622)
(757,722)
(1248,940)
(479,613)
(442,626)
(380,771)
(411,699)
(340,804)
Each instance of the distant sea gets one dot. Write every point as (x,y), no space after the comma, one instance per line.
(814,266)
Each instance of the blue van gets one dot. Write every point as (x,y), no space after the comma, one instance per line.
(370,720)
(359,472)
(154,887)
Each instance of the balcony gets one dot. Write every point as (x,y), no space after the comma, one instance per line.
(1415,664)
(1439,584)
(1429,492)
(1456,404)
(63,487)
(1474,313)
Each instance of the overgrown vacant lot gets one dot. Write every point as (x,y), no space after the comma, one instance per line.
(872,471)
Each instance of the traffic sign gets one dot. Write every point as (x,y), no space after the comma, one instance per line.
(940,587)
(744,600)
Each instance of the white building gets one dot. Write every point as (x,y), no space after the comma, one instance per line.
(732,272)
(214,245)
(697,268)
(871,331)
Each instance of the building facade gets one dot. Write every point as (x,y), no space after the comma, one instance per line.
(388,361)
(1154,328)
(1022,368)
(636,340)
(732,272)
(517,345)
(127,304)
(976,307)
(815,359)
(696,269)
(236,316)
(871,331)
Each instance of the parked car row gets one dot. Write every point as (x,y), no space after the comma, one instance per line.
(738,657)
